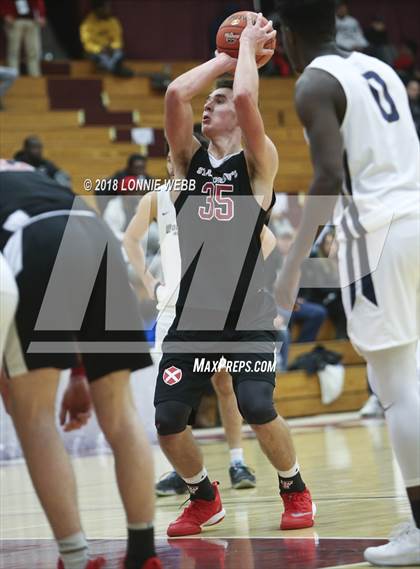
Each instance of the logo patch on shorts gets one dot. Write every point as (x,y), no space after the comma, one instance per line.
(172,375)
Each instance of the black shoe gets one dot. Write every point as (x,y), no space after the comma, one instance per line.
(241,476)
(171,484)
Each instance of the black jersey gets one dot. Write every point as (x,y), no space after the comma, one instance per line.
(33,193)
(219,228)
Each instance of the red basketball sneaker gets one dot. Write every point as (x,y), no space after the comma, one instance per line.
(198,514)
(299,510)
(97,563)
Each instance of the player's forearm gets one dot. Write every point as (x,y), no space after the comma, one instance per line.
(317,211)
(191,83)
(137,259)
(246,80)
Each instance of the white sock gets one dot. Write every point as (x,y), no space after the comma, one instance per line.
(289,473)
(74,551)
(236,456)
(197,478)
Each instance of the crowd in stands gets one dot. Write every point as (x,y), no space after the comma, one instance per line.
(101,35)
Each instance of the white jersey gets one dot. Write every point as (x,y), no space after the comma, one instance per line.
(382,152)
(8,302)
(169,250)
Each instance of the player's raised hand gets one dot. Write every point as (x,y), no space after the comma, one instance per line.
(258,33)
(76,405)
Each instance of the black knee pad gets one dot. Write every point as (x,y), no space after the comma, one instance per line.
(255,401)
(171,417)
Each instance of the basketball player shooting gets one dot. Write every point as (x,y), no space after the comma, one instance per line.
(244,160)
(356,107)
(158,206)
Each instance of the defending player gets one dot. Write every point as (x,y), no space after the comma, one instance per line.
(363,142)
(42,233)
(8,302)
(231,196)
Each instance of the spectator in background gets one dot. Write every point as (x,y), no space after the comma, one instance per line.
(136,167)
(7,78)
(119,210)
(413,92)
(31,153)
(102,39)
(349,33)
(405,61)
(23,19)
(379,44)
(326,282)
(309,315)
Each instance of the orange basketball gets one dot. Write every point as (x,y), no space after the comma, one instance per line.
(229,33)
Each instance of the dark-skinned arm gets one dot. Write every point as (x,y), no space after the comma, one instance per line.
(320,104)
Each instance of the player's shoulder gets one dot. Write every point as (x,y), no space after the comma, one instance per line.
(316,85)
(319,91)
(370,61)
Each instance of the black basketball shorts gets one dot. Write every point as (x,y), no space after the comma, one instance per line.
(183,375)
(91,313)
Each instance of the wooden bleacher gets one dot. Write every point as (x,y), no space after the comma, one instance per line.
(27,112)
(298,394)
(89,152)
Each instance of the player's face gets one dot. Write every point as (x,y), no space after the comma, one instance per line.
(219,115)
